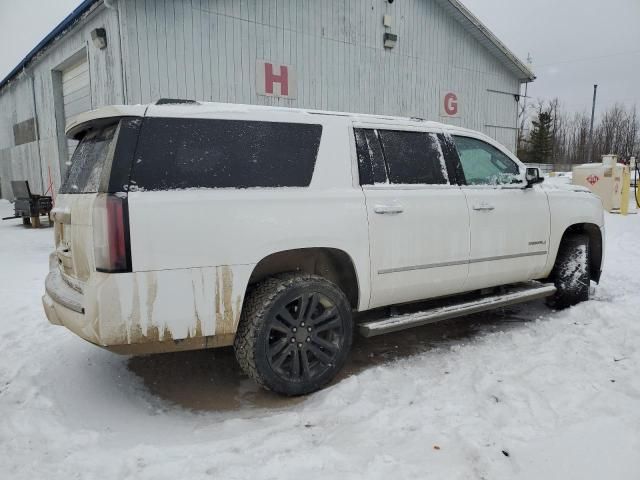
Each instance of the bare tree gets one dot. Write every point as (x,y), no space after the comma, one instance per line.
(617,132)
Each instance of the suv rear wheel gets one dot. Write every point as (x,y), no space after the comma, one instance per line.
(571,273)
(295,333)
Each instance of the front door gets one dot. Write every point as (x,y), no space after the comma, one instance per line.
(509,223)
(418,221)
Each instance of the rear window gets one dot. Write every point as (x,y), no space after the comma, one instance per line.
(177,153)
(89,160)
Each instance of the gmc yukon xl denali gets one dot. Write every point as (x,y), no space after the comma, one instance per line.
(281,232)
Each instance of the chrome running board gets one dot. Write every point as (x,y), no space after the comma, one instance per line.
(522,292)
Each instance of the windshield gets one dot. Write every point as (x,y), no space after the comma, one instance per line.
(89,160)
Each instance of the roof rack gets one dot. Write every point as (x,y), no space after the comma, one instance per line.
(173,101)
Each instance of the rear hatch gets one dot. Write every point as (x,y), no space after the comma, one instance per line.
(98,173)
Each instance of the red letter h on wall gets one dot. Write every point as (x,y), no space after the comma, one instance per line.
(270,78)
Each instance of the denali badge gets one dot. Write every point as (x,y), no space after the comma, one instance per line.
(538,242)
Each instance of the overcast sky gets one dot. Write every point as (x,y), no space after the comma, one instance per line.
(573,43)
(24,23)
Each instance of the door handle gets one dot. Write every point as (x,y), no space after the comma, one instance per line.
(484,207)
(388,209)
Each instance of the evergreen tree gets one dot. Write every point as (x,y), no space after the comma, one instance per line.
(541,138)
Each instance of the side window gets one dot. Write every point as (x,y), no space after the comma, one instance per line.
(177,153)
(484,164)
(413,157)
(370,159)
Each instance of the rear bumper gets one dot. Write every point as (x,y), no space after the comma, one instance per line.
(58,314)
(117,312)
(62,293)
(63,306)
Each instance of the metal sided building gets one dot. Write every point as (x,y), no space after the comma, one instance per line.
(423,58)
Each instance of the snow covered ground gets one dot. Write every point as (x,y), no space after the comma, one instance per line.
(522,394)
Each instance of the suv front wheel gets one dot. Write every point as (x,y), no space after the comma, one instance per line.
(295,333)
(571,273)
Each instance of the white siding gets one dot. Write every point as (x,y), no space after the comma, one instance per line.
(336,47)
(500,118)
(39,162)
(207,49)
(17,162)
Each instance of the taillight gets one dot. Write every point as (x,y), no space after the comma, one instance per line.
(111,233)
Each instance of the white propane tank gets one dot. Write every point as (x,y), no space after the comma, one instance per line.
(609,160)
(604,179)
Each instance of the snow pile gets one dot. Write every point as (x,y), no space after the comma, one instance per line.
(529,394)
(562,183)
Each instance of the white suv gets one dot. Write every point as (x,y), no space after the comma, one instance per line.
(185,225)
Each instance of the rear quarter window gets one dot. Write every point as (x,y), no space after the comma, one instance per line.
(176,153)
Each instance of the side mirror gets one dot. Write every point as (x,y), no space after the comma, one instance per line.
(533,176)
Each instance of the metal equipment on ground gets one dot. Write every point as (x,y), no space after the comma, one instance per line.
(29,207)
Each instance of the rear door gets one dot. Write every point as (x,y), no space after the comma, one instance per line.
(509,223)
(100,164)
(418,220)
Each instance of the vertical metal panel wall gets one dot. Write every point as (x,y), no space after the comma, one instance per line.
(207,49)
(39,161)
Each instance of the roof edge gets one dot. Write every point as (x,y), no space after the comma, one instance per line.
(528,75)
(64,25)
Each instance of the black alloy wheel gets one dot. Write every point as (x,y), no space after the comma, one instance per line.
(295,333)
(305,337)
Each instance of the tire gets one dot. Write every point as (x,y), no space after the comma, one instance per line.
(571,273)
(295,333)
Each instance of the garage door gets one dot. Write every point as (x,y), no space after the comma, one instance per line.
(76,93)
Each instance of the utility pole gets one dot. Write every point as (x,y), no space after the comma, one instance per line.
(593,111)
(523,112)
(555,132)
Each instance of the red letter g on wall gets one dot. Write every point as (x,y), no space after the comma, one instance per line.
(451,104)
